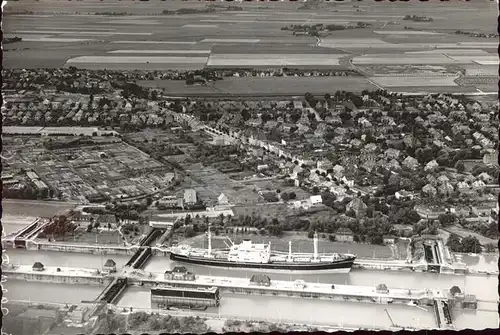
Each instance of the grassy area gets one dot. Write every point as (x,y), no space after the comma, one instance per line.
(154,323)
(266,85)
(238,326)
(300,243)
(28,320)
(102,236)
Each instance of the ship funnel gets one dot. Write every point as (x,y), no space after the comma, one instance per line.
(315,240)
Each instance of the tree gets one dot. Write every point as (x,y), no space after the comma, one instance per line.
(460,166)
(453,243)
(471,244)
(447,219)
(187,220)
(490,247)
(310,234)
(455,290)
(189,232)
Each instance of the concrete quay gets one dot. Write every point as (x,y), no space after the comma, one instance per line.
(289,289)
(82,248)
(54,274)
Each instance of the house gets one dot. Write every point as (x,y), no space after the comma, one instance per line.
(179,273)
(316,199)
(109,266)
(478,184)
(287,168)
(404,195)
(392,153)
(338,171)
(394,164)
(348,182)
(389,239)
(443,179)
(429,190)
(297,104)
(296,170)
(222,199)
(431,165)
(431,179)
(358,206)
(313,177)
(344,235)
(445,189)
(490,157)
(190,197)
(324,165)
(410,163)
(486,178)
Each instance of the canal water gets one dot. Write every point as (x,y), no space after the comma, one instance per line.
(485,288)
(304,311)
(481,262)
(48,292)
(242,306)
(54,258)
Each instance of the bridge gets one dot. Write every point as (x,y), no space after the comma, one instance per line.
(113,290)
(443,315)
(136,262)
(29,232)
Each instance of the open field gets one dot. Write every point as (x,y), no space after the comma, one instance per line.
(433,89)
(423,81)
(300,243)
(258,60)
(402,59)
(140,34)
(265,85)
(137,59)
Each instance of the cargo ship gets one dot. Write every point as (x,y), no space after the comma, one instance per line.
(251,256)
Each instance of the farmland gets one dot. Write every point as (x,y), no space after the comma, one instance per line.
(139,36)
(265,86)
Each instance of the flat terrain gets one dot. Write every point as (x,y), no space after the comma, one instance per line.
(265,85)
(135,35)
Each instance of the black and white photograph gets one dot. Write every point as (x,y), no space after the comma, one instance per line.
(193,167)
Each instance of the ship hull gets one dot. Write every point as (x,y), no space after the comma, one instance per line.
(341,266)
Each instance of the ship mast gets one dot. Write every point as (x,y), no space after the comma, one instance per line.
(209,240)
(315,240)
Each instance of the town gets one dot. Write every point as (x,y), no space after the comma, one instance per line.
(206,193)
